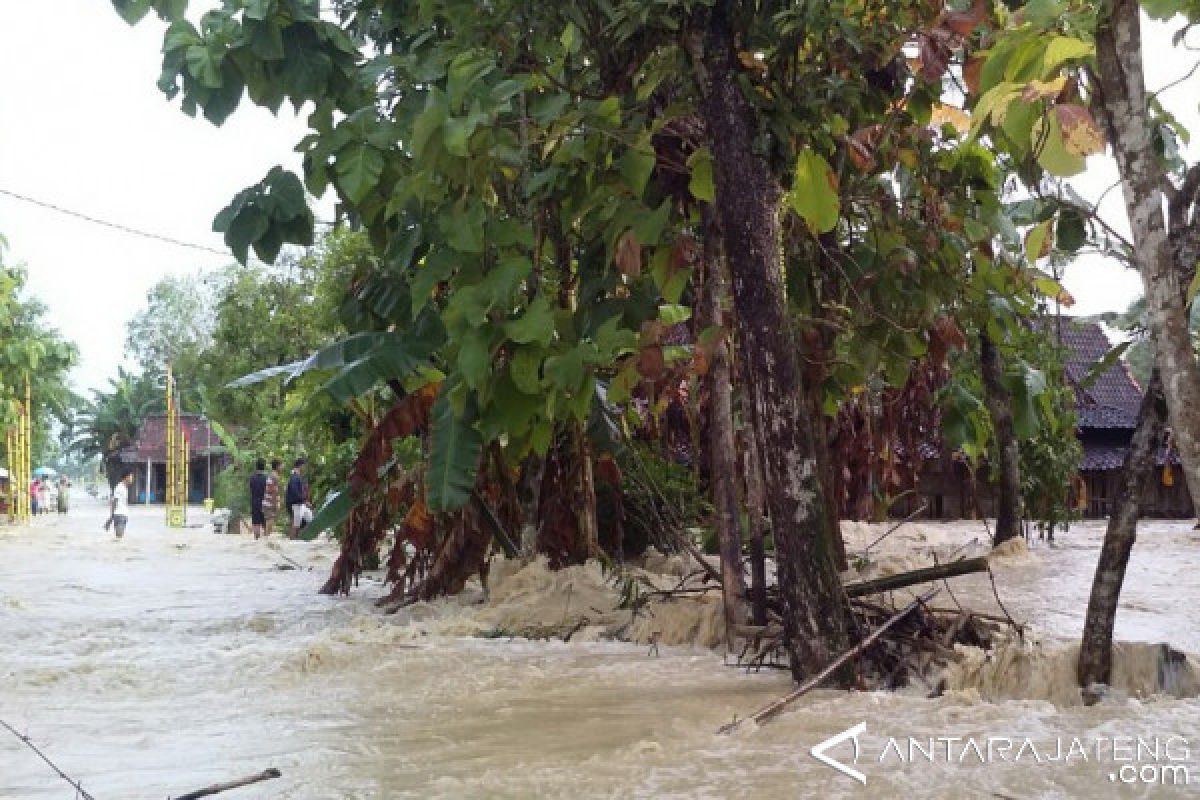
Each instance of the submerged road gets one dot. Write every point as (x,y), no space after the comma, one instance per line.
(175,659)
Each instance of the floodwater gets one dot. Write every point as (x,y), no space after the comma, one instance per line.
(172,660)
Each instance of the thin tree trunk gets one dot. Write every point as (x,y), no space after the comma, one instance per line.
(721,447)
(756,510)
(999,404)
(1125,112)
(817,618)
(825,466)
(589,528)
(1095,651)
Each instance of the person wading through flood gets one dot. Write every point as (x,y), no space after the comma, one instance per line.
(297,499)
(271,495)
(118,517)
(258,491)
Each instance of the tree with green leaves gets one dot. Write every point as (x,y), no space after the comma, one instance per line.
(176,321)
(109,421)
(533,182)
(31,351)
(1051,70)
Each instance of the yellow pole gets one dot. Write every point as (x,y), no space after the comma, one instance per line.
(26,454)
(8,459)
(170,443)
(20,483)
(187,474)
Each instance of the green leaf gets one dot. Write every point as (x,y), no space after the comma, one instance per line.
(674,314)
(456,136)
(1053,155)
(464,231)
(535,325)
(259,9)
(332,513)
(648,228)
(437,267)
(636,166)
(566,371)
(454,457)
(1037,242)
(1070,233)
(701,183)
(266,40)
(1102,366)
(170,10)
(524,367)
(359,168)
(1063,49)
(814,195)
(180,36)
(428,122)
(204,63)
(475,357)
(132,11)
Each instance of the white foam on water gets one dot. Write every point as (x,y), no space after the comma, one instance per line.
(149,669)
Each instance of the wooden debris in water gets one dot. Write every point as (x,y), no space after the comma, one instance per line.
(217,788)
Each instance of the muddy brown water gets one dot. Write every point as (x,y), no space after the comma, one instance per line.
(176,659)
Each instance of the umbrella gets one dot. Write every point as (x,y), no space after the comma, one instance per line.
(44,472)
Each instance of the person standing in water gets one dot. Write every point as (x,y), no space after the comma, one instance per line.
(119,506)
(297,499)
(64,494)
(258,491)
(271,495)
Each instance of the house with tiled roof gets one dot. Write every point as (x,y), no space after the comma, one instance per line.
(147,458)
(1107,407)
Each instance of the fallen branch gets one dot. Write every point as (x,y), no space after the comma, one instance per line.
(774,709)
(29,742)
(978,615)
(900,580)
(217,788)
(896,527)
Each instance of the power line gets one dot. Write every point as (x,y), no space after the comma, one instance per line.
(113,225)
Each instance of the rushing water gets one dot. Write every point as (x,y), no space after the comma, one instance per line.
(175,659)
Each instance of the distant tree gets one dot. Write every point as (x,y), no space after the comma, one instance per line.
(176,321)
(30,350)
(110,421)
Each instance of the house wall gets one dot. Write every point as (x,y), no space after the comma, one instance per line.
(1158,499)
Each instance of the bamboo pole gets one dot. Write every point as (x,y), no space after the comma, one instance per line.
(8,459)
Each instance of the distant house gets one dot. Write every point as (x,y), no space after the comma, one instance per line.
(147,457)
(1107,410)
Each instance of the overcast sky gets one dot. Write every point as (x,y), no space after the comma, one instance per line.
(83,126)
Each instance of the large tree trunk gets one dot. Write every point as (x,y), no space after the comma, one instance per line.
(1095,651)
(999,405)
(817,619)
(1126,117)
(721,447)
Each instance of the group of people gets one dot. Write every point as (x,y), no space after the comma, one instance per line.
(265,497)
(40,490)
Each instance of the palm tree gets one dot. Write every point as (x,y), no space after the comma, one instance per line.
(110,421)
